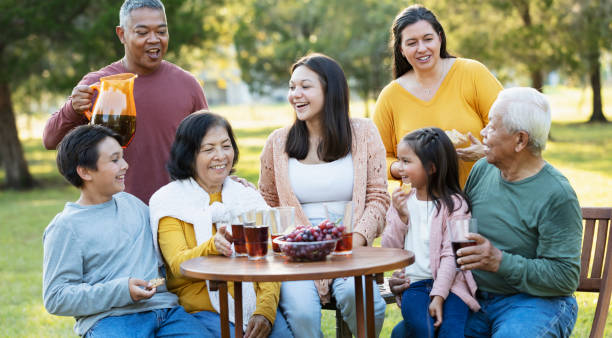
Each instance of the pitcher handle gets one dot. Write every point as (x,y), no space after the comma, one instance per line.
(88,113)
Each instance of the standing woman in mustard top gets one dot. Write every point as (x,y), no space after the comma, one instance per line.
(432,88)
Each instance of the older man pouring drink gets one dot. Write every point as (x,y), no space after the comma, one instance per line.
(527,258)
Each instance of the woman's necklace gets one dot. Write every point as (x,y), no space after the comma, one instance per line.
(428,90)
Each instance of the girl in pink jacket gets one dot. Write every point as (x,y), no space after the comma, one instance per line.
(417,222)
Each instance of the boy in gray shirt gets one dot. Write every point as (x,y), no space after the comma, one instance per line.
(98,252)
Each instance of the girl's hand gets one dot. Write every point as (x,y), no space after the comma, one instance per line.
(259,326)
(473,152)
(398,283)
(222,242)
(136,292)
(399,198)
(435,309)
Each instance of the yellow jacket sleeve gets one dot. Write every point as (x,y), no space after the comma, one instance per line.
(268,295)
(173,245)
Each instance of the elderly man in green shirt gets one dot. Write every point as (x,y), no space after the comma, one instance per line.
(527,258)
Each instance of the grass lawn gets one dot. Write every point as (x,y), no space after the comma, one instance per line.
(581,152)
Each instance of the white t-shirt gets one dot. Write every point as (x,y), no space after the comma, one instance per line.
(320,184)
(417,238)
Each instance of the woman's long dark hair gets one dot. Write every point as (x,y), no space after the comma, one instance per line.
(337,134)
(405,18)
(439,158)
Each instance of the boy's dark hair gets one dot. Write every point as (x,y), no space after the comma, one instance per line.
(435,150)
(337,135)
(79,148)
(188,139)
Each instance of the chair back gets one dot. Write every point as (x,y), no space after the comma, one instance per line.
(596,262)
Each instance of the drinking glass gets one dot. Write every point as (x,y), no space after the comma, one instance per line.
(345,224)
(256,238)
(281,219)
(256,233)
(458,229)
(238,237)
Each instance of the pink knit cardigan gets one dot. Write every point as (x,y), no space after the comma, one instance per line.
(441,258)
(370,196)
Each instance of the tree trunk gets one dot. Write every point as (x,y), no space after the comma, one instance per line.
(595,76)
(17,175)
(537,79)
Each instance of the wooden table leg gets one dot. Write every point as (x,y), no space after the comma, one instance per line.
(238,308)
(369,300)
(225,329)
(359,305)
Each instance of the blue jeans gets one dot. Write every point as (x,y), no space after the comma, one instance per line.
(300,303)
(522,315)
(211,321)
(171,322)
(417,321)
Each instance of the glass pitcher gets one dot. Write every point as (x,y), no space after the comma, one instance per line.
(114,106)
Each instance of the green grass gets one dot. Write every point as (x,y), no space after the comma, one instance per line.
(581,152)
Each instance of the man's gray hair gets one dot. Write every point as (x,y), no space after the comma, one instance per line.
(130,5)
(524,109)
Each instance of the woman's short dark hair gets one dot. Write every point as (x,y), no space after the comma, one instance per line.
(79,148)
(436,151)
(405,18)
(337,135)
(188,140)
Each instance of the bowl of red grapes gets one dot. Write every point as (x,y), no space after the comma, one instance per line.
(309,243)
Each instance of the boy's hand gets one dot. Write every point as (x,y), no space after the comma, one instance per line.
(137,293)
(222,242)
(435,309)
(399,199)
(398,283)
(259,327)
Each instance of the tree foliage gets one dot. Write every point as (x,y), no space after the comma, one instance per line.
(273,34)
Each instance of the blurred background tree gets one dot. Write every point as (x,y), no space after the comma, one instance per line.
(47,46)
(274,33)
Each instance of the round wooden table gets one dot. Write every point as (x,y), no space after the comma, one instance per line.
(364,261)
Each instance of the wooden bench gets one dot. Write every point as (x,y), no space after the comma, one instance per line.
(596,253)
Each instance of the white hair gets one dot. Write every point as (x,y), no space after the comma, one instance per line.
(130,5)
(524,109)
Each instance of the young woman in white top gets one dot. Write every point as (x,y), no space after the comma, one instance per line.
(325,158)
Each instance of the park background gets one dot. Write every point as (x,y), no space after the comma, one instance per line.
(241,51)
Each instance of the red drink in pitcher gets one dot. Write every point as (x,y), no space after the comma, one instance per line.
(256,237)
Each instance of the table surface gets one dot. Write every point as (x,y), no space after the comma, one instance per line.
(276,268)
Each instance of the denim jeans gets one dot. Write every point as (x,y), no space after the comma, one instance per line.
(522,315)
(211,320)
(171,322)
(300,303)
(417,321)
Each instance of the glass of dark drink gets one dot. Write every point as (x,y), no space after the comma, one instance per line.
(238,237)
(281,219)
(344,225)
(256,238)
(458,228)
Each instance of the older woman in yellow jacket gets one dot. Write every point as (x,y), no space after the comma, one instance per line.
(184,218)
